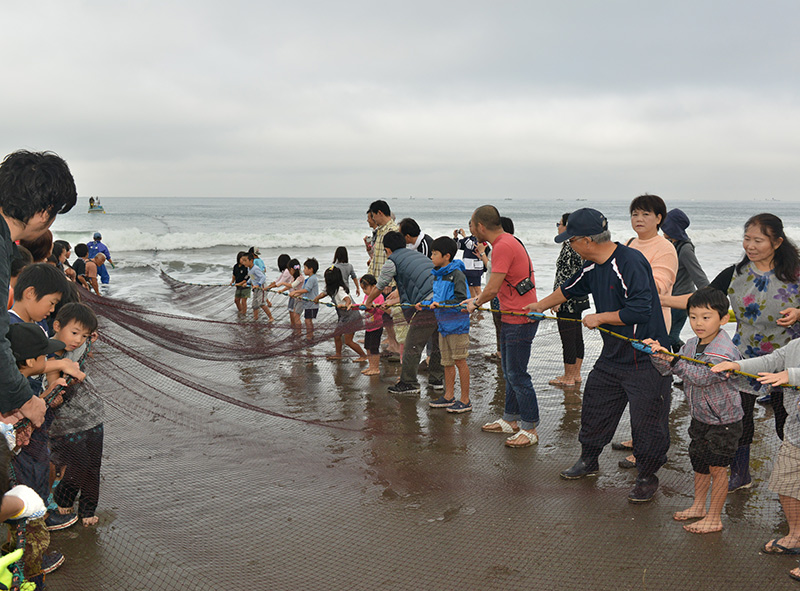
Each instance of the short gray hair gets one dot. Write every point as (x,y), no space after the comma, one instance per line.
(604,236)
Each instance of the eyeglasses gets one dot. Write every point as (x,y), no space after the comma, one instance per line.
(558,224)
(574,238)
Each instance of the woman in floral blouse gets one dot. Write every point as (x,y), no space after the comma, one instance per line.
(568,264)
(764,292)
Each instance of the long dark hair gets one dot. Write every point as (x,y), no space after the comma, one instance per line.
(333,281)
(786,262)
(340,256)
(283,262)
(294,268)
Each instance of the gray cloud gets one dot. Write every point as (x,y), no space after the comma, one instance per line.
(526,99)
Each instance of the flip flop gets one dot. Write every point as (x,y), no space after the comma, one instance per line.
(773,547)
(620,447)
(514,441)
(794,576)
(499,426)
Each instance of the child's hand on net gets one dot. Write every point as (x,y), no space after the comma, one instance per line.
(434,305)
(23,435)
(73,369)
(418,306)
(725,366)
(774,379)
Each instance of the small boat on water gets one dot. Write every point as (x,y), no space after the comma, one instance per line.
(94,206)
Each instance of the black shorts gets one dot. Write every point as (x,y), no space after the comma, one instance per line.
(474,279)
(372,341)
(713,445)
(311,313)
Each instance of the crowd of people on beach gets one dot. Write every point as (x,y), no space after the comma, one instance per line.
(52,419)
(644,290)
(419,294)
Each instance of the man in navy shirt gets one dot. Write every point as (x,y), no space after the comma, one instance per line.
(621,283)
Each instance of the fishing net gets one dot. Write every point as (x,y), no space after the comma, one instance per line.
(237,456)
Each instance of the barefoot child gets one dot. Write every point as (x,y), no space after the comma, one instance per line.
(336,289)
(308,292)
(239,279)
(782,367)
(258,281)
(294,282)
(373,323)
(714,403)
(450,288)
(76,435)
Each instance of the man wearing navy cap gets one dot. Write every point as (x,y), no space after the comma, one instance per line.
(621,283)
(96,247)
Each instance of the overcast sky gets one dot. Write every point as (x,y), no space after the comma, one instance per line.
(593,99)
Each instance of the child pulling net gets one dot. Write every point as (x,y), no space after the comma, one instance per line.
(237,455)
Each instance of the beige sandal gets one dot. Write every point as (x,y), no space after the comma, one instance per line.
(514,441)
(499,426)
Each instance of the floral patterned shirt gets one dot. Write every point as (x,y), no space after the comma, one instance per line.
(569,264)
(757,300)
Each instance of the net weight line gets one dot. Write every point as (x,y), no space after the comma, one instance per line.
(635,343)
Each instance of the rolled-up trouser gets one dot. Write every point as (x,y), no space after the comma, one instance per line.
(515,352)
(607,392)
(422,327)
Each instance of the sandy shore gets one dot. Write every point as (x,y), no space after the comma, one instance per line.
(316,477)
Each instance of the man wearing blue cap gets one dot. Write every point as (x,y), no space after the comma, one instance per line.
(96,247)
(626,298)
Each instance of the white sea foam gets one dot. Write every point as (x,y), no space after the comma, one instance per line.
(134,239)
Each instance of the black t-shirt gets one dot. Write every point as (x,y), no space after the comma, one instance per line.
(79,267)
(239,273)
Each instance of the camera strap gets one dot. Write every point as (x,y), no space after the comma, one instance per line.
(530,266)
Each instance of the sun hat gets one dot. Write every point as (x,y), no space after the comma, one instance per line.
(675,224)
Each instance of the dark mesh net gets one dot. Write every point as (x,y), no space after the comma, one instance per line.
(237,456)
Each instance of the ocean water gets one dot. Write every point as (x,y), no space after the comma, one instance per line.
(196,239)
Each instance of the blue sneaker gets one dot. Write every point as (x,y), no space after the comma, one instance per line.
(765,399)
(51,561)
(56,521)
(459,406)
(442,402)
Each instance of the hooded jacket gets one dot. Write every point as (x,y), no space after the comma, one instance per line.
(450,288)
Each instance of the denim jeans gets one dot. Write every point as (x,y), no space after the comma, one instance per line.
(515,351)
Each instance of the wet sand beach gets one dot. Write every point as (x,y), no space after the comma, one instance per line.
(310,475)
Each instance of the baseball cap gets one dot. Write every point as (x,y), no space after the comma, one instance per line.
(28,341)
(583,222)
(97,236)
